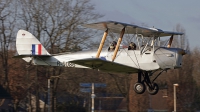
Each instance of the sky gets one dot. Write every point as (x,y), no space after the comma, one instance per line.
(162,14)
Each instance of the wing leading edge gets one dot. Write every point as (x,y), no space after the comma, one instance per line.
(117,27)
(103,65)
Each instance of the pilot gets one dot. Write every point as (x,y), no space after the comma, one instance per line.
(132,46)
(112,46)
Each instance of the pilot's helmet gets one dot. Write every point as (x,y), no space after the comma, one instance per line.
(132,44)
(114,43)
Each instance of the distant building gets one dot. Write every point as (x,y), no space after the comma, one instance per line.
(158,103)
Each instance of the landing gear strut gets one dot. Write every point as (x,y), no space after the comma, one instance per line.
(152,87)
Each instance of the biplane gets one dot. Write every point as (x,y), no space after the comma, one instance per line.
(147,57)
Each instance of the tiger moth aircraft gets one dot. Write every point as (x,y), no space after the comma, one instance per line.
(145,57)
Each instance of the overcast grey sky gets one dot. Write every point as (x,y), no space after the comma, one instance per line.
(162,14)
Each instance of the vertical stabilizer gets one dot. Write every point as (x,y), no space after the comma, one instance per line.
(27,44)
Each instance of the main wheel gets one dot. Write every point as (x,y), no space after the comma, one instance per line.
(139,88)
(154,90)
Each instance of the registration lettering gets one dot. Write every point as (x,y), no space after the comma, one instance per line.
(65,64)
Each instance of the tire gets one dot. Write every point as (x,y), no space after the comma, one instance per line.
(139,88)
(154,90)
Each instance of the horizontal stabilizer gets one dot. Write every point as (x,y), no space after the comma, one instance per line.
(25,56)
(104,65)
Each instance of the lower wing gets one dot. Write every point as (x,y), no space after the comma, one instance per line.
(103,65)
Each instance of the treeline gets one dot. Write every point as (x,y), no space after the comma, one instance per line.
(56,23)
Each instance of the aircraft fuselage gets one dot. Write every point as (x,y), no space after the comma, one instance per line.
(150,59)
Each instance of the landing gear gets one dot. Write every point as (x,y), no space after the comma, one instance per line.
(153,90)
(152,87)
(139,88)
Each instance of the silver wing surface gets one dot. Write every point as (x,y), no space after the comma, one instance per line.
(116,27)
(103,65)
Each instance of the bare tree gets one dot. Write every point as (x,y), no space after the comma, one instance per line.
(7,30)
(57,22)
(184,77)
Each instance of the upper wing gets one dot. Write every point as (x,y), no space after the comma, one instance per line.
(117,27)
(103,65)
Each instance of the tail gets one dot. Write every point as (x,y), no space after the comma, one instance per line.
(28,45)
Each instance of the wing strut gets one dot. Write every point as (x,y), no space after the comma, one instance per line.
(118,43)
(170,41)
(102,43)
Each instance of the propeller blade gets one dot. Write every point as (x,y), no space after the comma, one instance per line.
(182,52)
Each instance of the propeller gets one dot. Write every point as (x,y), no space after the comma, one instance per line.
(187,51)
(184,51)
